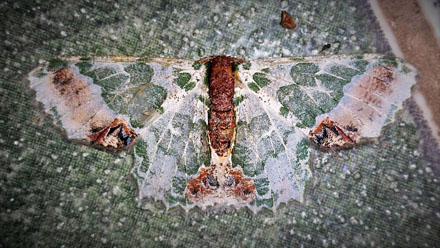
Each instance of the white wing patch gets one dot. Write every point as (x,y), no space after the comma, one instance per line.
(270,150)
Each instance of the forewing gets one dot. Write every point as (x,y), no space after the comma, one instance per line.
(162,100)
(336,99)
(283,102)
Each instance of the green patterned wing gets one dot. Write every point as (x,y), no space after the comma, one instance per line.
(111,101)
(332,101)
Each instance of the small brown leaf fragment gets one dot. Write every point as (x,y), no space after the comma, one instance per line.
(325,47)
(287,20)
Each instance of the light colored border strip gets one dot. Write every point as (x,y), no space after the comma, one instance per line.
(427,114)
(387,31)
(418,96)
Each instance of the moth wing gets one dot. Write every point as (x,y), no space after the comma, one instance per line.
(159,100)
(283,102)
(270,150)
(174,144)
(73,99)
(337,100)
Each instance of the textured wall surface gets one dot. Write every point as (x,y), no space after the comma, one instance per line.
(59,194)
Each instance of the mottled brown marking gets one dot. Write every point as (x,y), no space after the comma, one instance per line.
(245,187)
(380,79)
(287,20)
(62,76)
(375,86)
(329,134)
(73,89)
(343,128)
(221,116)
(221,130)
(116,135)
(221,180)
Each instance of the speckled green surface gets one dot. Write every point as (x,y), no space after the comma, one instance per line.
(55,193)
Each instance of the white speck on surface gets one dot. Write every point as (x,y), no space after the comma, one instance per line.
(215,18)
(116,190)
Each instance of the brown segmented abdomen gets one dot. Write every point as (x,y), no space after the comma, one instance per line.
(221,116)
(220,183)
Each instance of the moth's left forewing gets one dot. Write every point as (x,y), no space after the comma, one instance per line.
(112,101)
(174,143)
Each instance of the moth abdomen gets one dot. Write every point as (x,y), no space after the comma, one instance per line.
(220,182)
(221,116)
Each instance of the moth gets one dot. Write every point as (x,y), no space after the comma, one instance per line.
(223,131)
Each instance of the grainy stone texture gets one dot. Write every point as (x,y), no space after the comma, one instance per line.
(59,194)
